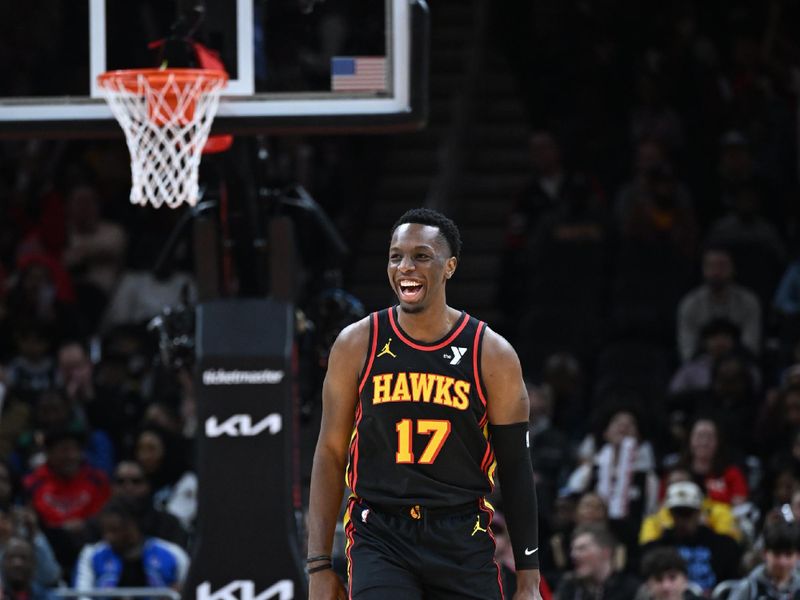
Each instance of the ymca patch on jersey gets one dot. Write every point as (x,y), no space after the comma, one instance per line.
(455,355)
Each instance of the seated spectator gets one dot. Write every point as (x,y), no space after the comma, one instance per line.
(551,454)
(778,486)
(64,492)
(17,571)
(32,370)
(778,422)
(43,293)
(552,185)
(710,557)
(621,471)
(174,487)
(591,509)
(53,412)
(665,576)
(716,515)
(557,560)
(64,489)
(563,380)
(718,337)
(95,249)
(732,402)
(661,209)
(707,459)
(74,373)
(650,154)
(754,242)
(594,575)
(129,482)
(128,558)
(778,577)
(117,405)
(20,522)
(719,296)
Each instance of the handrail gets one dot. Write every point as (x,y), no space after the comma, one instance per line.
(124,592)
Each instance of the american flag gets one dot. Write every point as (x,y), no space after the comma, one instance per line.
(358,73)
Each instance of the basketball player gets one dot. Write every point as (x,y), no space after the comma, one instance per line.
(418,401)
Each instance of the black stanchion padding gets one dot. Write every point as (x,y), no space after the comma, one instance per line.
(247,545)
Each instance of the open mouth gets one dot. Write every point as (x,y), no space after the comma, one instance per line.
(410,290)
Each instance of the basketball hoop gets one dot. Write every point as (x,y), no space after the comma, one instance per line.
(166,115)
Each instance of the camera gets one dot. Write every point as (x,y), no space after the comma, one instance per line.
(175,330)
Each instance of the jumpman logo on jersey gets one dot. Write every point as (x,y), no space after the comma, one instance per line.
(478,527)
(387,350)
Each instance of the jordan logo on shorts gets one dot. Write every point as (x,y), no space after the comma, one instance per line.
(478,527)
(387,350)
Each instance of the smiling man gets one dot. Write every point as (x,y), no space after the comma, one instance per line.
(594,575)
(418,402)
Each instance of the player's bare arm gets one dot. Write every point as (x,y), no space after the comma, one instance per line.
(502,376)
(339,396)
(508,408)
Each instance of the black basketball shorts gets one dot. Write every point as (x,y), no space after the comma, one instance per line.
(414,554)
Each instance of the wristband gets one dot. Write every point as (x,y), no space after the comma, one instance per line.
(319,568)
(318,558)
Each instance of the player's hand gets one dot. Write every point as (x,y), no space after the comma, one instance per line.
(325,585)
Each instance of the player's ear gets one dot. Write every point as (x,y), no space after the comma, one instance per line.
(450,267)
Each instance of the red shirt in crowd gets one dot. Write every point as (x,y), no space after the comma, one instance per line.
(726,486)
(58,501)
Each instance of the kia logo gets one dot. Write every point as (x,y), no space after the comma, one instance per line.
(243,426)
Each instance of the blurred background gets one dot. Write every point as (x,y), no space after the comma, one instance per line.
(625,177)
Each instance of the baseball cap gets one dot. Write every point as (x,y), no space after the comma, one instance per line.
(684,494)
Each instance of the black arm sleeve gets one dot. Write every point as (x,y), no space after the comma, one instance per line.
(515,471)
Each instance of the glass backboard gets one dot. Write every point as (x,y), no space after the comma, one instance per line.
(293,64)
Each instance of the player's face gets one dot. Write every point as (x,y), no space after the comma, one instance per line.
(419,265)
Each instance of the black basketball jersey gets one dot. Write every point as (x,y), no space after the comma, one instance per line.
(421,425)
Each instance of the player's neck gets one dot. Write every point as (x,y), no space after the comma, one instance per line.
(430,324)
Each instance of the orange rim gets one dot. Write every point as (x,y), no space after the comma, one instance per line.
(129,78)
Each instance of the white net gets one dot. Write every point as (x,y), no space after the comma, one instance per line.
(166,116)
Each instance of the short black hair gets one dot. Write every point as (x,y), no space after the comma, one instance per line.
(121,507)
(720,325)
(55,436)
(659,561)
(426,216)
(781,537)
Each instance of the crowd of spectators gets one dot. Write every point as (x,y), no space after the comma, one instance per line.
(97,486)
(649,283)
(97,424)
